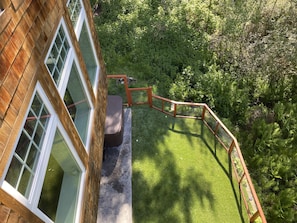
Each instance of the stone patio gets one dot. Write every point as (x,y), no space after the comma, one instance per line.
(115,202)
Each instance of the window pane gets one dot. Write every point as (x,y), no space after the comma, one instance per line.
(87,52)
(25,183)
(38,134)
(50,194)
(14,171)
(56,75)
(55,51)
(70,104)
(44,117)
(59,39)
(58,54)
(60,65)
(60,189)
(74,8)
(23,145)
(30,123)
(32,157)
(35,107)
(26,156)
(77,103)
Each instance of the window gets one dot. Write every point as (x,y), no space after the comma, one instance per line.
(74,8)
(62,63)
(22,168)
(77,104)
(88,53)
(45,172)
(58,54)
(60,191)
(79,21)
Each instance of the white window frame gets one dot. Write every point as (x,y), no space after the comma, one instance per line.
(80,13)
(63,25)
(73,59)
(35,192)
(5,185)
(64,76)
(79,24)
(36,210)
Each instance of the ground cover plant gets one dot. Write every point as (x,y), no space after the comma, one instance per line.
(180,173)
(239,57)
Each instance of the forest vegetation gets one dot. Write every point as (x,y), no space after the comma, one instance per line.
(238,56)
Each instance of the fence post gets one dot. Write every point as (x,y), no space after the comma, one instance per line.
(128,93)
(217,128)
(129,97)
(255,216)
(231,147)
(174,113)
(150,95)
(203,113)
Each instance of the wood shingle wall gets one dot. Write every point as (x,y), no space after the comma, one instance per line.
(27,28)
(7,215)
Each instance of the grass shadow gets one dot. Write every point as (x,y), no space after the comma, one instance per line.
(174,176)
(158,197)
(206,137)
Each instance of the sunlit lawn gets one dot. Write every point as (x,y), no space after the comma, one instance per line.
(179,173)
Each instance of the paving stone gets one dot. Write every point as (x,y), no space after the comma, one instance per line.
(115,202)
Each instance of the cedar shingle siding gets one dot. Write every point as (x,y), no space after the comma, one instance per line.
(27,28)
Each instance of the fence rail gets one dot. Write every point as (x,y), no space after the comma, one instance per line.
(220,131)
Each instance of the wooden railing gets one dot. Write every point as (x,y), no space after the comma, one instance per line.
(220,131)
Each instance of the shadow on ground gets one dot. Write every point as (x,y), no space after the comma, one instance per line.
(162,192)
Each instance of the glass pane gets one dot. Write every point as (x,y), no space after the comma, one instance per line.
(58,41)
(77,103)
(44,117)
(26,156)
(32,157)
(66,45)
(56,75)
(87,52)
(38,134)
(60,189)
(70,104)
(55,51)
(58,54)
(25,183)
(62,33)
(13,172)
(60,64)
(74,8)
(30,123)
(23,145)
(35,107)
(63,54)
(51,190)
(50,65)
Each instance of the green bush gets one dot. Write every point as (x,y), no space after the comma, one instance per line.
(239,57)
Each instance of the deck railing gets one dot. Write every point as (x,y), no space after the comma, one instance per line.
(220,131)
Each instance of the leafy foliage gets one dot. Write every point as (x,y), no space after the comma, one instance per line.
(239,57)
(151,40)
(261,57)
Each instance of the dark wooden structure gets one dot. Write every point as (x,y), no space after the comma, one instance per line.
(114,121)
(27,30)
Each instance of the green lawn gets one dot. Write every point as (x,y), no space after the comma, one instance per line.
(180,173)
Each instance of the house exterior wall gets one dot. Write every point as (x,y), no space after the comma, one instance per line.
(27,28)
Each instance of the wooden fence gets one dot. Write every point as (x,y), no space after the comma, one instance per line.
(220,131)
